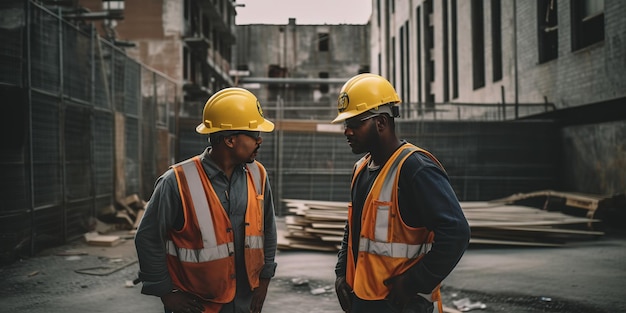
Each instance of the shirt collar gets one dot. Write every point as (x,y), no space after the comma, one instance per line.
(211,167)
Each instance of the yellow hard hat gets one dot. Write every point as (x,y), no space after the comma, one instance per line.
(362,93)
(233,109)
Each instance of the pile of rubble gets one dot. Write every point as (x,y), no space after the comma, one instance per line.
(124,214)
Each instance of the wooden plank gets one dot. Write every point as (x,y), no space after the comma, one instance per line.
(329,225)
(554,230)
(512,243)
(102,240)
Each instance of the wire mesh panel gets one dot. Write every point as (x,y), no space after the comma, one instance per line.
(11,34)
(132,87)
(48,227)
(77,63)
(191,143)
(132,162)
(47,175)
(307,165)
(45,54)
(489,160)
(78,218)
(103,158)
(102,70)
(13,148)
(484,160)
(77,140)
(149,132)
(117,78)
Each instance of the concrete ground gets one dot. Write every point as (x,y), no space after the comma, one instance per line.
(581,277)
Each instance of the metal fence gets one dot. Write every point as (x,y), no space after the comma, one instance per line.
(486,158)
(84,125)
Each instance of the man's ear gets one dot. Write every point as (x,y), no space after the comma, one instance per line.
(381,122)
(229,141)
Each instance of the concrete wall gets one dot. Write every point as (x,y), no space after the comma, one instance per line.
(594,158)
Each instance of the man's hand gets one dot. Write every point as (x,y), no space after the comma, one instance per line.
(182,302)
(399,294)
(258,295)
(344,293)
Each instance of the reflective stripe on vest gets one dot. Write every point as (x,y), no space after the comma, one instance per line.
(211,251)
(254,242)
(380,246)
(259,185)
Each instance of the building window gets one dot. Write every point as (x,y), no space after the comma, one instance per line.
(186,64)
(587,22)
(322,41)
(393,61)
(496,39)
(405,65)
(378,12)
(113,5)
(455,50)
(446,51)
(429,57)
(478,44)
(547,30)
(418,36)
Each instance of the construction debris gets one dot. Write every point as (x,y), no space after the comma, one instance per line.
(95,239)
(466,305)
(541,219)
(106,269)
(126,213)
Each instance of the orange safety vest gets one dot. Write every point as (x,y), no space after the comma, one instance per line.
(200,256)
(387,246)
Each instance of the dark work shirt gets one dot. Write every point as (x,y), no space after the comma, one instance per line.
(426,199)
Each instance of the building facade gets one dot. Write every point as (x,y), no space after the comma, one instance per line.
(560,53)
(508,59)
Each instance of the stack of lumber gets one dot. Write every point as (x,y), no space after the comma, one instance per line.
(555,219)
(503,224)
(314,225)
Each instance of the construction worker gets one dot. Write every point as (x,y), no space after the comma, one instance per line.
(405,230)
(207,240)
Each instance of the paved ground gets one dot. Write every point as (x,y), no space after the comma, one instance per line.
(585,277)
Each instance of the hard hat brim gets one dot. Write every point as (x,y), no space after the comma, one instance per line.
(385,108)
(344,116)
(266,127)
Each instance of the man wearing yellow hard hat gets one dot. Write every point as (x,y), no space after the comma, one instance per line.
(207,240)
(406,230)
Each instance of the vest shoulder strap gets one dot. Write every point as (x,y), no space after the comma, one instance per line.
(181,163)
(258,176)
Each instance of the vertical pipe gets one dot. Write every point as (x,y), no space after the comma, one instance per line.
(503,103)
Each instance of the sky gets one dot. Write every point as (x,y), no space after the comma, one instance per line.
(304,11)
